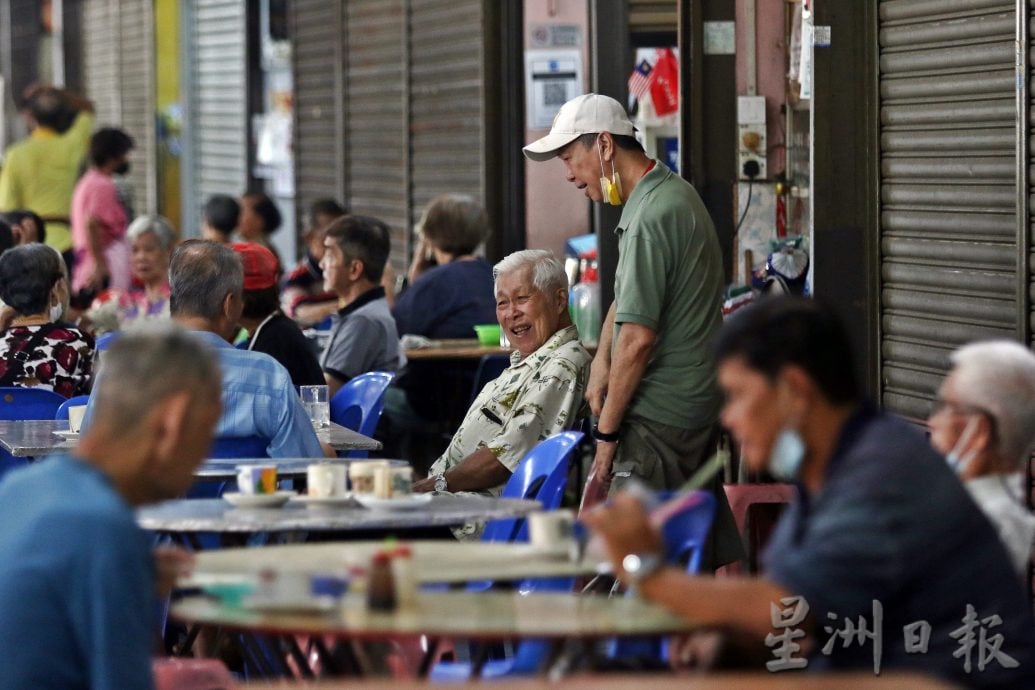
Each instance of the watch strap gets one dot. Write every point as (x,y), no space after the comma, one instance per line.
(599,435)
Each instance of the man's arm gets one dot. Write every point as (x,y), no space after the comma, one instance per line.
(478,471)
(600,371)
(94,230)
(628,362)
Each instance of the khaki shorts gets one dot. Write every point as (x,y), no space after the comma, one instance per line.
(664,457)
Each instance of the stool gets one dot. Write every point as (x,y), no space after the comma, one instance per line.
(742,498)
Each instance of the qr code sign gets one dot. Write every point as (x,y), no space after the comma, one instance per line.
(555,92)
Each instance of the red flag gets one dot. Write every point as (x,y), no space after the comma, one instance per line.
(664,84)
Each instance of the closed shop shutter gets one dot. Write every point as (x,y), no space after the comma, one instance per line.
(447,100)
(375,115)
(216,94)
(318,64)
(653,16)
(101,59)
(949,184)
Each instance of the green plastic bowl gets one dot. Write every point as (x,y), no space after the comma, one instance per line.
(488,334)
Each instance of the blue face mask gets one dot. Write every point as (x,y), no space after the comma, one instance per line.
(956,461)
(787,455)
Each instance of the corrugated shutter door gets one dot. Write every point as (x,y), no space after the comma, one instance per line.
(447,97)
(318,61)
(948,188)
(376,130)
(136,92)
(218,104)
(101,59)
(650,16)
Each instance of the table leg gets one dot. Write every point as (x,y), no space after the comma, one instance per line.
(429,657)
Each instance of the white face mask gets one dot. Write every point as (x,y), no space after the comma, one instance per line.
(787,455)
(56,312)
(956,462)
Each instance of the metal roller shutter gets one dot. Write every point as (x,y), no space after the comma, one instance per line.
(101,59)
(376,116)
(217,109)
(318,63)
(651,16)
(950,208)
(136,91)
(447,99)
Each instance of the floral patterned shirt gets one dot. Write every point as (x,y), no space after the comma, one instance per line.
(63,361)
(534,398)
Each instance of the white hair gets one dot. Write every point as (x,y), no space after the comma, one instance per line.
(158,225)
(999,377)
(547,272)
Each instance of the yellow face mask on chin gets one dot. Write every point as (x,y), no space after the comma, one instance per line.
(610,189)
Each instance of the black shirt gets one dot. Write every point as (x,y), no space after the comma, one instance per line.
(281,339)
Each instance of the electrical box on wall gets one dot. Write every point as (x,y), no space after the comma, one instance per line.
(751,144)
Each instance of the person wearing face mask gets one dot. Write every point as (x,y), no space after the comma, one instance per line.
(37,350)
(99,219)
(652,383)
(880,517)
(984,423)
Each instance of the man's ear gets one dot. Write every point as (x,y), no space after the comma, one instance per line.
(356,269)
(170,426)
(607,146)
(228,305)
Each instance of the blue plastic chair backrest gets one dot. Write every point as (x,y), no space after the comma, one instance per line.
(542,474)
(239,447)
(62,411)
(489,369)
(685,532)
(29,403)
(104,341)
(358,404)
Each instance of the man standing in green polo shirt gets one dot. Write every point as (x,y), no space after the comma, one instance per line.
(652,384)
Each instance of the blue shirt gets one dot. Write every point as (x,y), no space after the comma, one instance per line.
(448,301)
(893,523)
(76,582)
(260,400)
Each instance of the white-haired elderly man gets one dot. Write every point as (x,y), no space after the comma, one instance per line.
(539,394)
(984,423)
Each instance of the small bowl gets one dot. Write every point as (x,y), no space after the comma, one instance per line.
(488,334)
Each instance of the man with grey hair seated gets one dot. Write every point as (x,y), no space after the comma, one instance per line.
(206,283)
(78,578)
(538,395)
(984,423)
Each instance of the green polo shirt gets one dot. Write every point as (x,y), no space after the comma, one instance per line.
(670,279)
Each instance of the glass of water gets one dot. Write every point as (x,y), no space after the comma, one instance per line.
(317,405)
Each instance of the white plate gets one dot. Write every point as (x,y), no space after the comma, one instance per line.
(66,434)
(408,502)
(258,500)
(303,605)
(344,501)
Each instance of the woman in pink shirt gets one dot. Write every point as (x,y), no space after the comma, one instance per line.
(99,219)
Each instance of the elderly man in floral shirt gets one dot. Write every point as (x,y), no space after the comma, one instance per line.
(539,394)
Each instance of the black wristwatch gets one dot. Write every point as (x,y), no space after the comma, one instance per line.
(601,436)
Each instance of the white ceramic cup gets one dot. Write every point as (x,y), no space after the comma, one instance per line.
(326,479)
(75,417)
(551,530)
(361,475)
(257,479)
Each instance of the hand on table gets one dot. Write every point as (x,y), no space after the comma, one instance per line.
(624,527)
(171,562)
(424,486)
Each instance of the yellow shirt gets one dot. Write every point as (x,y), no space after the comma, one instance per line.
(40,172)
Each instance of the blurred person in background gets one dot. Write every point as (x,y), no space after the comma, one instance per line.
(984,423)
(26,226)
(260,218)
(269,330)
(99,219)
(151,239)
(38,350)
(304,298)
(220,217)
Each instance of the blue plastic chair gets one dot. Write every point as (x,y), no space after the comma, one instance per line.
(489,369)
(62,411)
(358,404)
(104,341)
(25,403)
(541,475)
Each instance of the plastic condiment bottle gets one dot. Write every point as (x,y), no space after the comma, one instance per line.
(381,584)
(405,578)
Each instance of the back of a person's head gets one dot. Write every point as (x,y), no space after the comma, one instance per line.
(6,236)
(328,208)
(108,144)
(50,108)
(201,274)
(999,376)
(27,274)
(222,213)
(454,223)
(364,238)
(775,332)
(265,208)
(18,217)
(147,364)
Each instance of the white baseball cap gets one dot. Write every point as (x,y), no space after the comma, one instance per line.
(587,114)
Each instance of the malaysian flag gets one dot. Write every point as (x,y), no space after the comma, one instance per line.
(639,80)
